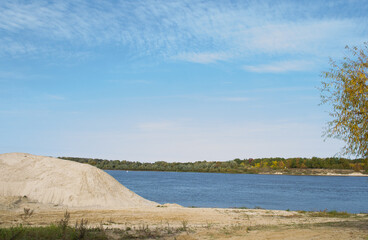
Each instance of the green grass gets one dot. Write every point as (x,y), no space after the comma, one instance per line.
(50,232)
(325,213)
(63,231)
(333,214)
(73,233)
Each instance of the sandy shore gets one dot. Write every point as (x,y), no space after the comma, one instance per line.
(46,186)
(315,172)
(201,223)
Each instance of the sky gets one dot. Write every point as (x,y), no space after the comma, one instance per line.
(171,80)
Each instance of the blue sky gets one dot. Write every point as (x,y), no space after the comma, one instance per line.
(170,80)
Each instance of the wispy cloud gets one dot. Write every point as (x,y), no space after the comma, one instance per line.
(200,32)
(235,99)
(130,81)
(281,67)
(202,57)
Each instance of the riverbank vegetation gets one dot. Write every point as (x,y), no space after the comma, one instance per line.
(181,223)
(345,90)
(65,230)
(260,165)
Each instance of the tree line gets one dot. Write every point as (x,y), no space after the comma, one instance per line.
(233,166)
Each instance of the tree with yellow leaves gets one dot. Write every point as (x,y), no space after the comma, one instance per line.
(345,88)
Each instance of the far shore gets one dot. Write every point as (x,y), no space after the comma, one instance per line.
(290,172)
(318,172)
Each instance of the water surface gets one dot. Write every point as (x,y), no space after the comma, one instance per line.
(309,193)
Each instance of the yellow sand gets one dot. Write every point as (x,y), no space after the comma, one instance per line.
(54,181)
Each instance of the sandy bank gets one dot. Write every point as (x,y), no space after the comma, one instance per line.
(54,181)
(205,223)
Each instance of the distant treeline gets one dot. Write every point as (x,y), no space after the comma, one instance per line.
(234,166)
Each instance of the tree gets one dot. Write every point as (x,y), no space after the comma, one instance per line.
(345,88)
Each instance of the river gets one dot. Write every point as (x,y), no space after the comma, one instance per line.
(278,192)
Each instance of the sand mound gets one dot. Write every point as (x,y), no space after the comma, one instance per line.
(51,180)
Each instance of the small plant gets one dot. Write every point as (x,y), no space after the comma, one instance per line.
(27,214)
(81,228)
(236,227)
(184,225)
(169,230)
(332,213)
(64,223)
(209,225)
(241,207)
(111,221)
(11,233)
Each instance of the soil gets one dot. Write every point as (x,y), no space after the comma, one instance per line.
(201,223)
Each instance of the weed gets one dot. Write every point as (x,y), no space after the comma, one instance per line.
(63,224)
(49,233)
(110,221)
(185,225)
(26,215)
(236,227)
(63,231)
(333,213)
(169,230)
(81,228)
(240,207)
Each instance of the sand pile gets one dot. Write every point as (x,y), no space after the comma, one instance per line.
(51,180)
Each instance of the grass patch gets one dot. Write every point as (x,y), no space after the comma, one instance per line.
(51,232)
(64,231)
(240,208)
(80,231)
(144,232)
(162,206)
(332,214)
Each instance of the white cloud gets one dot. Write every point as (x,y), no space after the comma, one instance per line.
(200,32)
(280,67)
(15,48)
(202,57)
(309,36)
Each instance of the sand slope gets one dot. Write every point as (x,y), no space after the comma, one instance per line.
(62,182)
